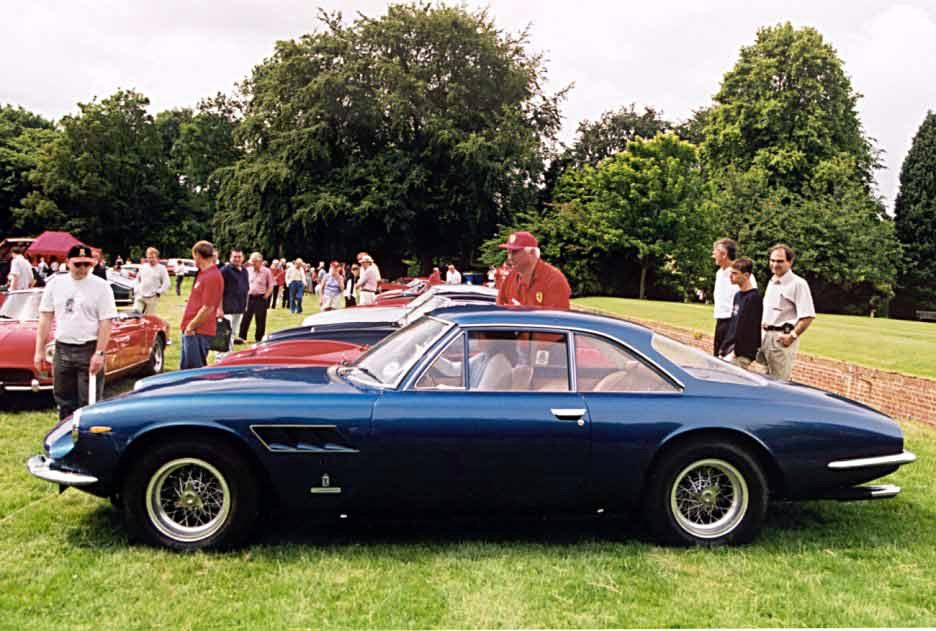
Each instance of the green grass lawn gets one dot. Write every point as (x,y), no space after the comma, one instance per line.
(898,345)
(65,563)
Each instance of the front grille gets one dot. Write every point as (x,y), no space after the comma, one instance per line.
(15,377)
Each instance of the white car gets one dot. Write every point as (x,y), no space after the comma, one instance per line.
(184,267)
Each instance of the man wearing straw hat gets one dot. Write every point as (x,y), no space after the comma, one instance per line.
(82,306)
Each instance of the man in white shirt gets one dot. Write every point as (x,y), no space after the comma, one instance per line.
(367,283)
(82,306)
(21,274)
(453,276)
(151,282)
(724,252)
(788,312)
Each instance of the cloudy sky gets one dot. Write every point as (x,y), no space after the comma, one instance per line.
(670,54)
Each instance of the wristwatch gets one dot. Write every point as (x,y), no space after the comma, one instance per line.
(793,334)
(99,353)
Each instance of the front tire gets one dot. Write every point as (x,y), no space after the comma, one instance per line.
(189,496)
(157,358)
(706,493)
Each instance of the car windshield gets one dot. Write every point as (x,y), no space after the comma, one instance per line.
(703,366)
(24,306)
(388,362)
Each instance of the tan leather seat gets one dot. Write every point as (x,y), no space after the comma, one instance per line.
(497,375)
(521,378)
(618,381)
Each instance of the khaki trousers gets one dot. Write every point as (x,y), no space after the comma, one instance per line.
(146,306)
(779,358)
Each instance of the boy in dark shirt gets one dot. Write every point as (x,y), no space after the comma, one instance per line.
(744,332)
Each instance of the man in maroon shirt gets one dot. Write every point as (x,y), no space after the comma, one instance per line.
(198,320)
(532,282)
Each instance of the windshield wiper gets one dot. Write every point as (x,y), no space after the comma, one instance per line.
(3,315)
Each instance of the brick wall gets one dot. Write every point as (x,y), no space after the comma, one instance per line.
(898,395)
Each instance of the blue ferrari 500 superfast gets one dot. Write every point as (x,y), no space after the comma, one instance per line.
(475,408)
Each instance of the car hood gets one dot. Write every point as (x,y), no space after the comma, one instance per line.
(17,341)
(244,379)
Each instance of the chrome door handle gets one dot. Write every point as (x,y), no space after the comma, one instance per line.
(570,414)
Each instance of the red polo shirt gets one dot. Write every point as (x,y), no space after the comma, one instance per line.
(208,290)
(547,288)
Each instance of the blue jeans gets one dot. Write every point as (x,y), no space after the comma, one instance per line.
(194,351)
(295,296)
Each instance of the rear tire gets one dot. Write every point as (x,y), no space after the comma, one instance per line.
(706,493)
(188,496)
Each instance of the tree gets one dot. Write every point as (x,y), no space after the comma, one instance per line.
(609,135)
(639,209)
(105,179)
(414,133)
(787,106)
(915,218)
(650,194)
(787,160)
(22,133)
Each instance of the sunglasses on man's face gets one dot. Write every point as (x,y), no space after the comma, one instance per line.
(83,264)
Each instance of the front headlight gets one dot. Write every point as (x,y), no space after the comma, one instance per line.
(76,424)
(50,352)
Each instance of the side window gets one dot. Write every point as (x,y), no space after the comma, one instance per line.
(603,366)
(517,361)
(447,372)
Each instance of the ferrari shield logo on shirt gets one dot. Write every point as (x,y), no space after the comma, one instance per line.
(539,297)
(512,238)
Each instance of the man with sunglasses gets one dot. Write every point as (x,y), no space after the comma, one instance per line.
(82,306)
(788,312)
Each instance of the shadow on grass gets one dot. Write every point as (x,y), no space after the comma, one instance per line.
(801,526)
(44,401)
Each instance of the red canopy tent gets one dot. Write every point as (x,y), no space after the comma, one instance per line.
(57,244)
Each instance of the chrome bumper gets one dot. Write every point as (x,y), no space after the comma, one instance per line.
(878,461)
(40,466)
(33,386)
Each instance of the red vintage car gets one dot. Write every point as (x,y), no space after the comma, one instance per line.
(295,353)
(137,343)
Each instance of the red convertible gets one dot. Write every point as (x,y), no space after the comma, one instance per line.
(137,342)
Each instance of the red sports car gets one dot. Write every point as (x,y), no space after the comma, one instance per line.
(295,353)
(137,342)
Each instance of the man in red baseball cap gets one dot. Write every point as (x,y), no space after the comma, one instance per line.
(532,282)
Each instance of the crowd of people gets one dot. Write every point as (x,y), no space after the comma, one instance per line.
(749,327)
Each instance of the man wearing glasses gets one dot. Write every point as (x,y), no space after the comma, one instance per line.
(788,312)
(83,306)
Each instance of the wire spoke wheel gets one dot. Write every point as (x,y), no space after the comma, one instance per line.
(188,499)
(709,498)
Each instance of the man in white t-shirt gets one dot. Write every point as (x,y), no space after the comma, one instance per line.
(82,306)
(724,252)
(151,282)
(453,276)
(21,274)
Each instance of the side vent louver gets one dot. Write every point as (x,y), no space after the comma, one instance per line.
(312,439)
